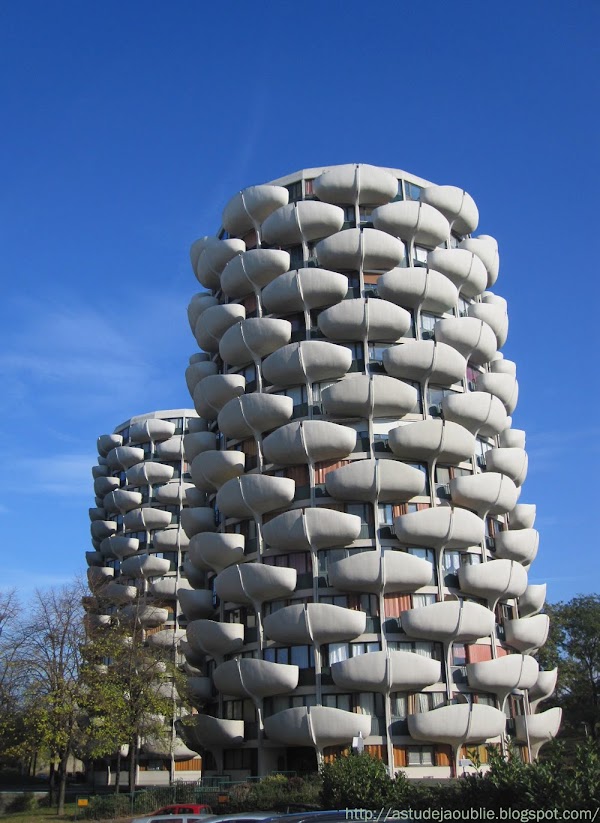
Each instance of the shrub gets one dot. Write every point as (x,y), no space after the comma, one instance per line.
(357,781)
(25,802)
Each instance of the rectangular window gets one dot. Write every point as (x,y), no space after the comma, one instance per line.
(413,192)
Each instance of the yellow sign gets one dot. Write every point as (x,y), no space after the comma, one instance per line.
(82,801)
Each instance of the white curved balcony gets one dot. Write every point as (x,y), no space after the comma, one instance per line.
(197,520)
(499,365)
(107,442)
(123,457)
(386,481)
(253,339)
(488,493)
(304,289)
(503,386)
(449,621)
(412,220)
(105,485)
(214,638)
(527,634)
(493,581)
(165,588)
(457,724)
(102,528)
(166,639)
(159,748)
(486,248)
(152,430)
(512,439)
(216,551)
(304,221)
(417,287)
(308,441)
(119,546)
(198,304)
(355,183)
(196,603)
(148,616)
(365,396)
(205,732)
(440,527)
(461,267)
(318,726)
(97,513)
(94,558)
(457,206)
(148,472)
(199,689)
(250,207)
(444,440)
(214,322)
(372,571)
(198,442)
(119,593)
(196,578)
(122,501)
(254,583)
(146,519)
(543,687)
(522,516)
(308,361)
(171,449)
(253,270)
(504,674)
(101,471)
(96,621)
(145,565)
(538,729)
(361,317)
(518,544)
(252,414)
(386,672)
(215,391)
(511,462)
(177,493)
(195,373)
(366,249)
(246,677)
(316,623)
(254,494)
(172,539)
(213,260)
(424,359)
(479,412)
(532,600)
(193,659)
(211,469)
(473,338)
(495,316)
(314,528)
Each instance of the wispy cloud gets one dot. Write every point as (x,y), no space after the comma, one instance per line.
(62,474)
(548,449)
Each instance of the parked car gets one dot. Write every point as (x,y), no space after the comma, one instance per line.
(173,818)
(244,817)
(185,808)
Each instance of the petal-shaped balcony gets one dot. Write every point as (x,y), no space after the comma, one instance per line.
(386,672)
(412,220)
(107,442)
(254,494)
(165,588)
(512,439)
(148,616)
(105,485)
(532,600)
(214,322)
(197,372)
(386,481)
(216,551)
(316,623)
(361,317)
(527,634)
(303,221)
(493,581)
(252,414)
(96,621)
(366,249)
(97,513)
(146,519)
(119,546)
(518,544)
(214,638)
(444,440)
(253,270)
(504,674)
(193,659)
(196,604)
(461,267)
(511,462)
(148,472)
(424,359)
(415,287)
(450,620)
(198,519)
(316,528)
(168,540)
(101,471)
(214,392)
(145,565)
(372,571)
(97,575)
(488,493)
(246,677)
(179,494)
(213,260)
(457,206)
(308,441)
(122,457)
(472,338)
(205,732)
(160,748)
(254,583)
(199,689)
(195,577)
(318,726)
(166,638)
(94,558)
(308,361)
(151,430)
(122,501)
(171,449)
(356,183)
(304,289)
(198,442)
(495,316)
(365,396)
(253,339)
(440,527)
(119,593)
(248,208)
(522,516)
(537,729)
(499,365)
(199,303)
(486,248)
(211,469)
(503,386)
(102,528)
(543,687)
(457,724)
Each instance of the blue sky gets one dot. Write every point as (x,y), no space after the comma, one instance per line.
(127,126)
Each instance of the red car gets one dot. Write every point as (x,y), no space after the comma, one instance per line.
(185,808)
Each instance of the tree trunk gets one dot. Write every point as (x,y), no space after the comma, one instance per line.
(118,773)
(62,787)
(132,765)
(52,783)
